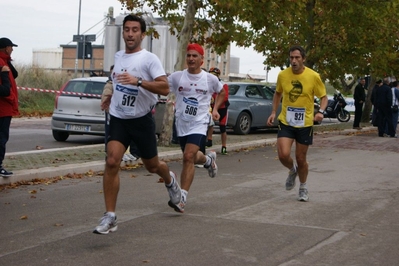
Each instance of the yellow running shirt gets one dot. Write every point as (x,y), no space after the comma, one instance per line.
(298,93)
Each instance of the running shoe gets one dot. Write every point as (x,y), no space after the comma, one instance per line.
(108,223)
(132,157)
(290,182)
(223,151)
(178,207)
(303,194)
(125,158)
(212,168)
(174,190)
(5,173)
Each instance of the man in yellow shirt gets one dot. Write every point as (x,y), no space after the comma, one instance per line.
(297,86)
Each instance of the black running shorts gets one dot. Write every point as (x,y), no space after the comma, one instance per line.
(302,135)
(141,130)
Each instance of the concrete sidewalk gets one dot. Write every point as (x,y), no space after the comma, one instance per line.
(40,164)
(244,216)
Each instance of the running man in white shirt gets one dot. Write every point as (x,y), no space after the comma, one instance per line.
(138,78)
(194,88)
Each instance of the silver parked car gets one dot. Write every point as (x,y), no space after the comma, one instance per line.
(77,109)
(250,106)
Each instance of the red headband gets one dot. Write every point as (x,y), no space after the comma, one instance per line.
(196,47)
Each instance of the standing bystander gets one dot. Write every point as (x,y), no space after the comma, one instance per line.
(297,86)
(138,78)
(394,107)
(194,88)
(222,112)
(359,96)
(8,102)
(383,102)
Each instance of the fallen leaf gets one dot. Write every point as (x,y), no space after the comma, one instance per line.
(39,147)
(58,224)
(33,192)
(23,217)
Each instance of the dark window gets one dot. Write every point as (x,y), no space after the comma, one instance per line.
(233,89)
(253,92)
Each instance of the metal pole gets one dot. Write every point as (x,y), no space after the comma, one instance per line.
(77,60)
(84,55)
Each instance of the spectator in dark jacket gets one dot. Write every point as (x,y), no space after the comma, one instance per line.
(383,102)
(394,108)
(359,96)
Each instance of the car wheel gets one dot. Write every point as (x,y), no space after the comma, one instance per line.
(60,135)
(243,124)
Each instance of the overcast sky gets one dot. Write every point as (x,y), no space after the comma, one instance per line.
(42,24)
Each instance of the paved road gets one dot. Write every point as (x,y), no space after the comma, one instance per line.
(244,216)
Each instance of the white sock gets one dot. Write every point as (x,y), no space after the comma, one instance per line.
(184,195)
(294,168)
(303,185)
(111,214)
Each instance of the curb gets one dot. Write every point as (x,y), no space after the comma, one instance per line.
(96,166)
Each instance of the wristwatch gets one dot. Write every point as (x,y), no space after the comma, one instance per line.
(139,81)
(321,111)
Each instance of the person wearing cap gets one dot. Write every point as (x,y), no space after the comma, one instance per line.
(193,88)
(222,112)
(9,102)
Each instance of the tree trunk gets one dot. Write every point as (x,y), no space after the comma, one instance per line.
(184,38)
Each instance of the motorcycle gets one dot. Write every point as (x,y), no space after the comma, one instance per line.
(335,108)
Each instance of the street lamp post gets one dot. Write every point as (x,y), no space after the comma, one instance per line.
(77,60)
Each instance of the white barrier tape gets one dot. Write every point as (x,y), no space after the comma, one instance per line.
(62,92)
(72,93)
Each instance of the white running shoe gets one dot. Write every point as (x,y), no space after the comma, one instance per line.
(129,157)
(125,158)
(212,168)
(180,206)
(303,194)
(108,223)
(290,182)
(132,157)
(174,190)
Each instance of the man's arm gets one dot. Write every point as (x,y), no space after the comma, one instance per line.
(159,86)
(5,84)
(276,103)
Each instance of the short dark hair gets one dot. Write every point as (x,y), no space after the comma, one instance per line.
(132,17)
(395,83)
(298,48)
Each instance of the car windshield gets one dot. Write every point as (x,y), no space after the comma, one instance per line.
(89,87)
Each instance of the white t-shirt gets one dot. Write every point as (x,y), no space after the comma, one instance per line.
(129,101)
(193,96)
